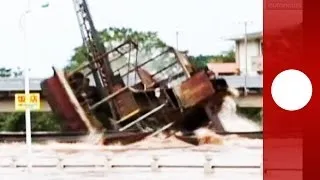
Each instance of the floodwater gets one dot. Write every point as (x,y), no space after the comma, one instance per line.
(233,122)
(182,160)
(233,151)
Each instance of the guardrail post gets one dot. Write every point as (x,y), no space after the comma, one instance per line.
(108,160)
(208,164)
(60,163)
(155,164)
(13,162)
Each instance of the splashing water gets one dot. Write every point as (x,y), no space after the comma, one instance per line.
(231,121)
(95,138)
(206,136)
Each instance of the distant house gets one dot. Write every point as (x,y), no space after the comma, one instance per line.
(254,53)
(223,68)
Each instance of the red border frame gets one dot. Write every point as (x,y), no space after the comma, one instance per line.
(283,130)
(311,38)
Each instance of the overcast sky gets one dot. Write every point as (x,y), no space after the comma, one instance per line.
(53,33)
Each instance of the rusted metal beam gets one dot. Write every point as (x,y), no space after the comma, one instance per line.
(250,101)
(183,62)
(194,90)
(143,117)
(108,98)
(162,129)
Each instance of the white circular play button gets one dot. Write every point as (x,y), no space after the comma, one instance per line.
(291,90)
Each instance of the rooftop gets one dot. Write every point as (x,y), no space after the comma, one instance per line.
(223,67)
(254,35)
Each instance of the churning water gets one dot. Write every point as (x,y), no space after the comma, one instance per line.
(233,151)
(224,150)
(231,121)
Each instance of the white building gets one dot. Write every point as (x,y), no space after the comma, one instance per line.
(254,53)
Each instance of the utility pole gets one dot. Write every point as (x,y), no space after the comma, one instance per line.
(246,56)
(177,40)
(23,26)
(26,85)
(245,23)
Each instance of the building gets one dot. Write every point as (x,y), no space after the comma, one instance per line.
(254,53)
(223,68)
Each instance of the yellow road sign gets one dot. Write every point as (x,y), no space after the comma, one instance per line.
(22,101)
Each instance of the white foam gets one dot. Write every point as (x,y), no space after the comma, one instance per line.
(231,121)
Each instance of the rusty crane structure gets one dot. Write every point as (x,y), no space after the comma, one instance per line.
(114,91)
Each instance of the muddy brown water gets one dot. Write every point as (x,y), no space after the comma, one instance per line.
(233,151)
(224,150)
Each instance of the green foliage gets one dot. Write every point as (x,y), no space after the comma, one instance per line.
(202,60)
(78,58)
(41,121)
(148,43)
(8,72)
(45,121)
(5,72)
(226,57)
(146,40)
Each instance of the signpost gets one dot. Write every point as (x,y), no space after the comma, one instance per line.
(24,101)
(27,101)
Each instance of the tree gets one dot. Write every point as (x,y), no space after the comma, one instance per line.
(5,72)
(149,44)
(8,72)
(228,56)
(202,60)
(17,72)
(41,121)
(15,121)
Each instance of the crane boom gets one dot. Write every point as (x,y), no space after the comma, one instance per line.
(100,65)
(94,45)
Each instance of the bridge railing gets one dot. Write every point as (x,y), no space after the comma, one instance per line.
(17,84)
(241,81)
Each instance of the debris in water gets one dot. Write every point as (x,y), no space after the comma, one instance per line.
(95,138)
(161,141)
(206,136)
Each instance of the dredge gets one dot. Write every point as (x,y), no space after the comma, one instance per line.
(115,92)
